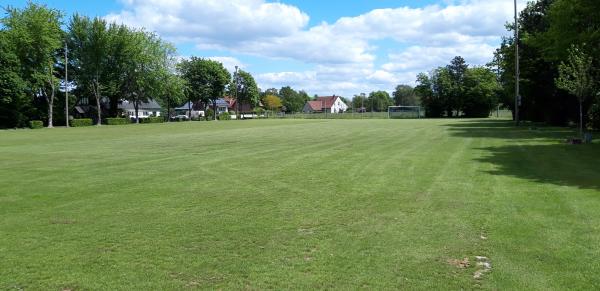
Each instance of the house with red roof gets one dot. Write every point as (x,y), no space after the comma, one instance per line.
(329,104)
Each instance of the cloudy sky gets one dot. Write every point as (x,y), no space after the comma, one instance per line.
(324,46)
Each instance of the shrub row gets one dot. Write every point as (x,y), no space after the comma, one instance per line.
(152,120)
(34,124)
(81,122)
(117,121)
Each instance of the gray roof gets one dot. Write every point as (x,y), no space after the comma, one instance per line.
(151,104)
(185,106)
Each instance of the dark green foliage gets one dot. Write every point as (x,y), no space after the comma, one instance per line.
(35,124)
(117,121)
(458,89)
(81,122)
(429,94)
(548,29)
(205,79)
(14,103)
(378,101)
(359,102)
(152,120)
(480,93)
(247,90)
(32,38)
(404,95)
(209,114)
(594,115)
(292,101)
(224,116)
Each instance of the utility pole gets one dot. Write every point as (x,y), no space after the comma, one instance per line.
(362,106)
(66,85)
(517,71)
(237,102)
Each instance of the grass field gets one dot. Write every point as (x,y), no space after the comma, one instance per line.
(298,204)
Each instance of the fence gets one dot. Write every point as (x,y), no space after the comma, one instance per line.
(345,115)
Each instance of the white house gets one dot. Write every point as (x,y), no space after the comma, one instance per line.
(329,104)
(145,109)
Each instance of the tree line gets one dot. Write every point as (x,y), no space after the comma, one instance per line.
(458,90)
(559,68)
(106,64)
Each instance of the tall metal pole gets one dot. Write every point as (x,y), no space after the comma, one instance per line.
(66,85)
(517,71)
(237,102)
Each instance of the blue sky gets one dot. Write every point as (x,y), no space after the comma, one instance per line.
(322,47)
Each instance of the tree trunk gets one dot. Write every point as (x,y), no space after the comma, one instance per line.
(190,109)
(135,107)
(99,109)
(581,118)
(51,100)
(96,88)
(215,109)
(50,110)
(168,109)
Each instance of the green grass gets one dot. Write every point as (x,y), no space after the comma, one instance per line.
(298,204)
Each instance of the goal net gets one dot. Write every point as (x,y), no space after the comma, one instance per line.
(404,112)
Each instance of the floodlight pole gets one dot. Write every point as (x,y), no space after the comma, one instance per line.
(517,72)
(237,102)
(66,85)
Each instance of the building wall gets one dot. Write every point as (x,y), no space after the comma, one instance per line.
(339,106)
(143,113)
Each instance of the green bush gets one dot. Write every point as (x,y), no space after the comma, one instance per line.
(81,122)
(209,114)
(224,116)
(117,121)
(152,120)
(594,116)
(34,124)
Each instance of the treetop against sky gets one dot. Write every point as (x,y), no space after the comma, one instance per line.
(322,47)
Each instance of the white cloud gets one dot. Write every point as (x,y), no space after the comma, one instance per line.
(229,62)
(343,53)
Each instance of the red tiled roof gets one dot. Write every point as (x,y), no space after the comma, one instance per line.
(327,101)
(315,105)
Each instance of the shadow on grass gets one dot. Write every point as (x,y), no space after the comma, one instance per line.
(537,154)
(505,129)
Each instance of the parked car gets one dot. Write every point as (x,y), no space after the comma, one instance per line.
(179,117)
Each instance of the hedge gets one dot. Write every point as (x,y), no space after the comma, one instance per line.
(117,121)
(82,122)
(34,124)
(152,120)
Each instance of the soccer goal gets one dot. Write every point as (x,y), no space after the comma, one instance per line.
(404,112)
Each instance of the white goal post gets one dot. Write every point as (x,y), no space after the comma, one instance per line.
(405,112)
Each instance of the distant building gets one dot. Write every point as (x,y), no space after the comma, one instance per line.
(145,109)
(190,109)
(329,104)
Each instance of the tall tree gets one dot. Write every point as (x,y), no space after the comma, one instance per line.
(292,100)
(575,77)
(13,101)
(430,99)
(37,35)
(147,57)
(90,42)
(379,101)
(457,70)
(206,79)
(359,102)
(246,91)
(404,95)
(480,93)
